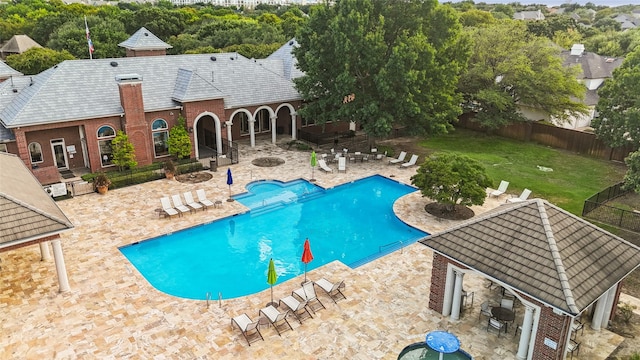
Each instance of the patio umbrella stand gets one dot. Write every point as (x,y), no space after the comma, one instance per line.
(307,256)
(314,162)
(272,278)
(229,182)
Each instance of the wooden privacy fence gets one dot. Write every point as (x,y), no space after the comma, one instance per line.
(567,139)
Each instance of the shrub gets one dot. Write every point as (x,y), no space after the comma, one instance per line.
(626,312)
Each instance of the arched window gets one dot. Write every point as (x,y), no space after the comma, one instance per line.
(105,135)
(263,121)
(36,152)
(160,133)
(244,123)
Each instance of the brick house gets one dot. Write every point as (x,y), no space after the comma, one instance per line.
(65,117)
(561,268)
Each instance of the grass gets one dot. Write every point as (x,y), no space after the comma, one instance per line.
(574,177)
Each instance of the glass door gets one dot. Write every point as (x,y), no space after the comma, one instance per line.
(59,153)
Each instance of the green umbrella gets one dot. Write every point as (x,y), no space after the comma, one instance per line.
(313,164)
(272,277)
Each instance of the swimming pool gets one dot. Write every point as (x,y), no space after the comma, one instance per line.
(353,223)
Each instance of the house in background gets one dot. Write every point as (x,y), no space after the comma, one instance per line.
(529,15)
(66,117)
(595,69)
(17,45)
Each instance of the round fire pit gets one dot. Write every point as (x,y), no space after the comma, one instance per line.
(194,178)
(268,161)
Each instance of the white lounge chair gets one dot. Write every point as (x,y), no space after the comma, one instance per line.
(333,290)
(524,196)
(177,203)
(277,319)
(501,189)
(248,327)
(323,166)
(399,159)
(298,308)
(167,208)
(188,198)
(342,164)
(411,162)
(308,292)
(202,198)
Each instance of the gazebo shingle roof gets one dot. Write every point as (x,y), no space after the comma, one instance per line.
(542,251)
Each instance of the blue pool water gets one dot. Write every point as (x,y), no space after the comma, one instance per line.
(353,223)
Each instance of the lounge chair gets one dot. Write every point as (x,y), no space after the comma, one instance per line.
(333,290)
(323,166)
(188,198)
(524,196)
(298,308)
(308,293)
(248,327)
(501,189)
(177,203)
(399,159)
(411,162)
(167,208)
(342,164)
(277,319)
(202,198)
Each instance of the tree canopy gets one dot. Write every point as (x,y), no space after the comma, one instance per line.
(179,141)
(382,63)
(452,179)
(618,122)
(36,60)
(511,67)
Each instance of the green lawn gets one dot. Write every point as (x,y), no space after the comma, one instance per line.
(574,177)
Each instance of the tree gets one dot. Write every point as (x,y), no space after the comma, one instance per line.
(179,140)
(123,152)
(379,63)
(510,67)
(37,60)
(476,18)
(618,122)
(632,177)
(452,179)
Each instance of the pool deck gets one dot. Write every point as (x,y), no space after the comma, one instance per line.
(111,312)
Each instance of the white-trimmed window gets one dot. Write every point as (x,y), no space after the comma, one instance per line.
(3,148)
(160,133)
(244,123)
(308,121)
(105,135)
(263,121)
(35,150)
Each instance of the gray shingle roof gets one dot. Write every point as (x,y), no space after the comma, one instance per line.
(7,71)
(593,66)
(86,89)
(286,60)
(143,39)
(542,251)
(26,210)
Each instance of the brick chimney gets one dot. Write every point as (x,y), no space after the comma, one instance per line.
(134,121)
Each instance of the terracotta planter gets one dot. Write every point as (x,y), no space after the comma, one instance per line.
(102,189)
(169,175)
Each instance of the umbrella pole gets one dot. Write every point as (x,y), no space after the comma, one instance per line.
(305,272)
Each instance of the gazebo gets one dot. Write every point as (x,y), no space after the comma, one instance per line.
(556,264)
(29,216)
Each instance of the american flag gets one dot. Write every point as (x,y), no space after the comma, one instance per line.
(89,42)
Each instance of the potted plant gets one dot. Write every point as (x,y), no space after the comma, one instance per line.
(101,182)
(169,169)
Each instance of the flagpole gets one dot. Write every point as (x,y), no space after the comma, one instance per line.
(89,44)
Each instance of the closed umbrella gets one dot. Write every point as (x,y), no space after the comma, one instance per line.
(307,256)
(229,182)
(272,277)
(314,162)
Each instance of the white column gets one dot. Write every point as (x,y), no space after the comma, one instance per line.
(611,294)
(525,334)
(45,255)
(294,127)
(596,322)
(229,139)
(457,296)
(61,269)
(448,290)
(252,131)
(273,129)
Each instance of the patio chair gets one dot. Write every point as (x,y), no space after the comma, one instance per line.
(342,164)
(298,308)
(501,189)
(411,162)
(177,203)
(323,166)
(277,319)
(202,198)
(573,347)
(485,309)
(188,198)
(381,156)
(399,159)
(308,293)
(167,208)
(524,196)
(333,290)
(495,324)
(248,327)
(507,303)
(575,327)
